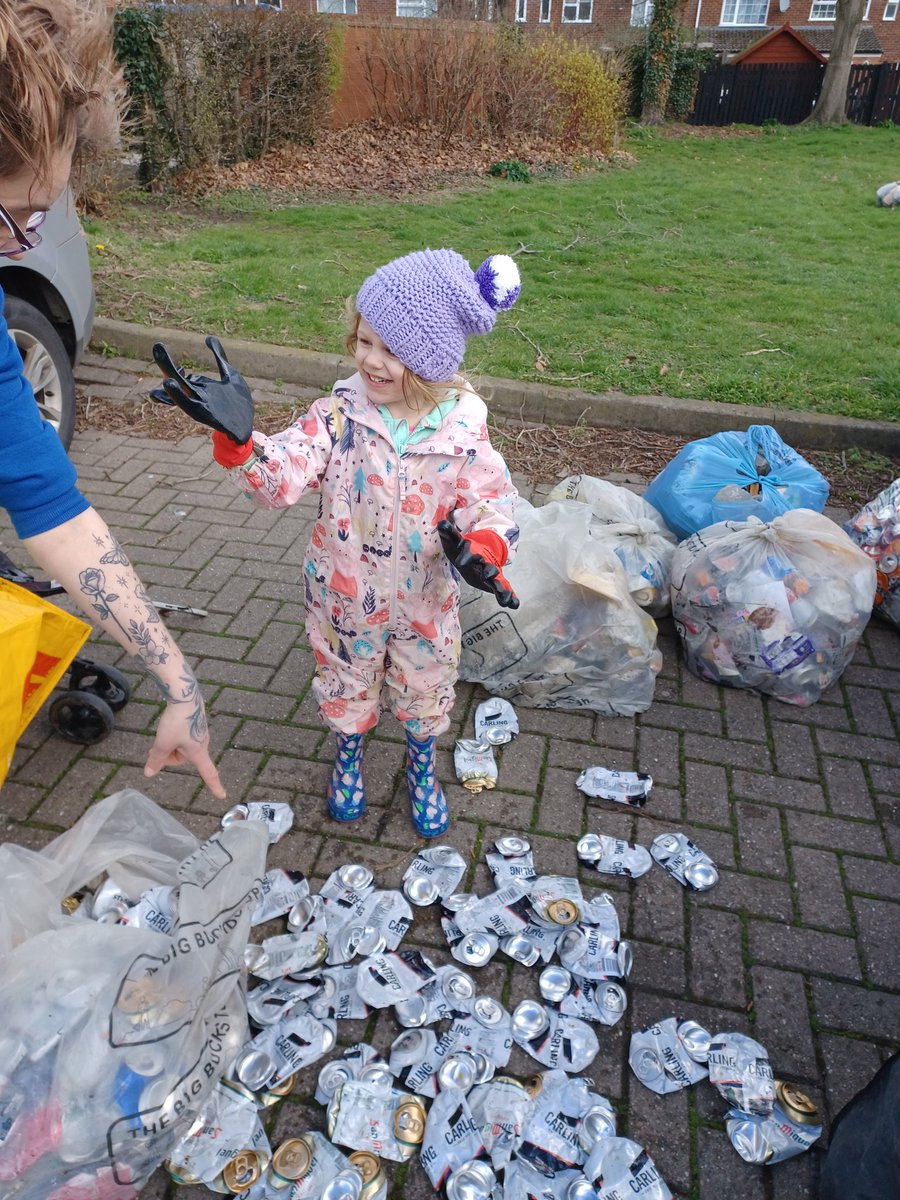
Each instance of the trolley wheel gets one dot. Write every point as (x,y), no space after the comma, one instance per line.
(81,717)
(106,682)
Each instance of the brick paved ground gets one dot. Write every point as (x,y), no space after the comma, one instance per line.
(797,944)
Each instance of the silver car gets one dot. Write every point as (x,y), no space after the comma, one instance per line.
(50,311)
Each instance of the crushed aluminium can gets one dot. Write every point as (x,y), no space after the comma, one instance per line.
(500,1107)
(277,816)
(791,1129)
(452,1137)
(660,1059)
(684,861)
(374,1180)
(613,856)
(495,721)
(281,890)
(557,899)
(740,1071)
(385,979)
(474,764)
(625,787)
(434,873)
(618,1167)
(378,1119)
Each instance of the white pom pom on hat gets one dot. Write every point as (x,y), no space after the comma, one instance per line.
(426,304)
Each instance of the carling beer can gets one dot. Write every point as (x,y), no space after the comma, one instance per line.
(619,1167)
(499,1108)
(625,787)
(277,816)
(791,1129)
(495,721)
(281,890)
(452,1137)
(740,1071)
(660,1060)
(684,861)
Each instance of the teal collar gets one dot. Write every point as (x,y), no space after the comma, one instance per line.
(398,428)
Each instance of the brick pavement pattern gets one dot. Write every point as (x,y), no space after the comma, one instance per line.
(800,808)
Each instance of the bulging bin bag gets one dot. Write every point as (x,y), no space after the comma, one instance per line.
(577,640)
(777,608)
(876,530)
(733,476)
(634,531)
(113,1034)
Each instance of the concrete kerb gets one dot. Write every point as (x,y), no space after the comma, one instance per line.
(530,402)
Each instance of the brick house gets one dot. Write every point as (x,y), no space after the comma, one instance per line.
(728,26)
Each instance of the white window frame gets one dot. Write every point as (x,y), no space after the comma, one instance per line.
(641,13)
(891,7)
(738,5)
(571,9)
(521,11)
(426,9)
(545,13)
(339,8)
(831,17)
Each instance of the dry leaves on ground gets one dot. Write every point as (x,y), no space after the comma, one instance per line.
(370,158)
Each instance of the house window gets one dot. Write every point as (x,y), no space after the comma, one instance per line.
(745,12)
(545,11)
(346,7)
(823,10)
(580,10)
(521,10)
(641,12)
(416,8)
(890,10)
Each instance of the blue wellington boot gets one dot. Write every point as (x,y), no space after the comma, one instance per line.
(346,795)
(430,814)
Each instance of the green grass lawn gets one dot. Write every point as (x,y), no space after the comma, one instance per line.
(753,269)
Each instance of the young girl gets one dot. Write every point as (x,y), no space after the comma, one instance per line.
(397,450)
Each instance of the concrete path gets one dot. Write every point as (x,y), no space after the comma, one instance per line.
(800,808)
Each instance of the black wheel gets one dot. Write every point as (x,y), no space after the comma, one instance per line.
(106,682)
(81,717)
(46,364)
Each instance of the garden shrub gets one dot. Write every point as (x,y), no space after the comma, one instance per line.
(213,86)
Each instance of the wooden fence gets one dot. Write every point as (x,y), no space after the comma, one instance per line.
(753,93)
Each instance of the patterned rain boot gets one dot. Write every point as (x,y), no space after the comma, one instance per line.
(346,795)
(430,814)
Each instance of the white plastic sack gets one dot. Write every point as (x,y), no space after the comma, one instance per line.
(876,530)
(113,1036)
(888,195)
(636,533)
(577,640)
(777,608)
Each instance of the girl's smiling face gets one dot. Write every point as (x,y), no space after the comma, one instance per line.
(382,371)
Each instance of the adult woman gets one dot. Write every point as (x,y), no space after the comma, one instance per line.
(59,97)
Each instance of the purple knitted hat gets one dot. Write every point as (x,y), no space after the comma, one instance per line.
(425,305)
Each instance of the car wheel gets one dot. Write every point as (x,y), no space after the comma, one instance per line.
(46,365)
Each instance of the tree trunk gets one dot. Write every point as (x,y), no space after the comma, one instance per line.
(659,59)
(831,108)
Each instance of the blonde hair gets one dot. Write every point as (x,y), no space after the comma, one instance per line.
(420,394)
(60,86)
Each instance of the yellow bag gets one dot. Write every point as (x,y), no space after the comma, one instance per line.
(38,642)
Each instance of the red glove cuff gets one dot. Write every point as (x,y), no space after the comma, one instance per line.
(491,546)
(228,453)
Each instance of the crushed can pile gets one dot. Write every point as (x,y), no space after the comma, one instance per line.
(441,1092)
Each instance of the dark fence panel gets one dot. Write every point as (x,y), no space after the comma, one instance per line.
(752,93)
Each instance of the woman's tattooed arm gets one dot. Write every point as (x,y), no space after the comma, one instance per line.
(94,569)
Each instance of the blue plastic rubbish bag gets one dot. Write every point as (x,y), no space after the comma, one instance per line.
(733,476)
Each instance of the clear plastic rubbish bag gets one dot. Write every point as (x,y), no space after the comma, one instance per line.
(733,476)
(777,608)
(876,530)
(636,533)
(114,1035)
(577,640)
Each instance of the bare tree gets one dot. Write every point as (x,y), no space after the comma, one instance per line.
(831,107)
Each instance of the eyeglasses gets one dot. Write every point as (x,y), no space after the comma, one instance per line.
(23,241)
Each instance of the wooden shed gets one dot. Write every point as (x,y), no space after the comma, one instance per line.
(782,45)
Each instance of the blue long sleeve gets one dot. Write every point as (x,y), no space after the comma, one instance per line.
(38,483)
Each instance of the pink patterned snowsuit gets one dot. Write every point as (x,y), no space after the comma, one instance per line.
(382,601)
